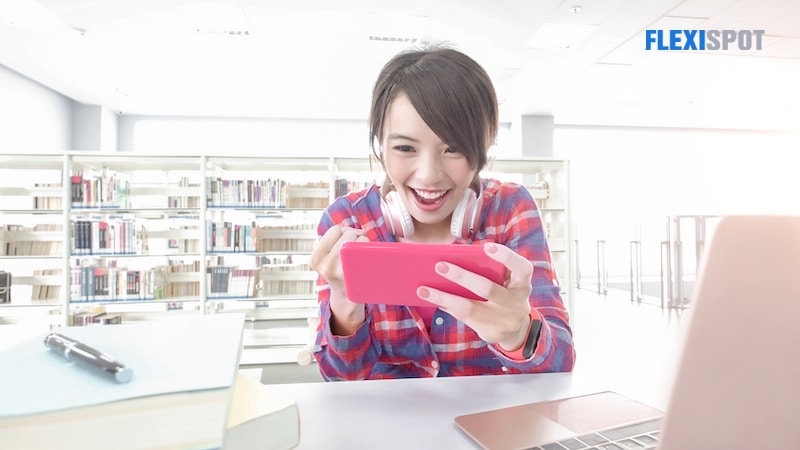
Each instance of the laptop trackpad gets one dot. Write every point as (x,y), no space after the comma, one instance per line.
(528,425)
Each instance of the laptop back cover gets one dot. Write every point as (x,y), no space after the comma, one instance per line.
(738,384)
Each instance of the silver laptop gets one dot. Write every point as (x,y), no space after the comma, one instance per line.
(738,382)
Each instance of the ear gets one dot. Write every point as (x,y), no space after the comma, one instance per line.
(386,186)
(476,184)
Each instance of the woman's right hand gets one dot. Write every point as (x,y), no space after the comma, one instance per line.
(347,316)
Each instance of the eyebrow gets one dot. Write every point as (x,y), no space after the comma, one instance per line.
(401,136)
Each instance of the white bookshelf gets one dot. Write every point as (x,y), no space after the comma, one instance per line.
(162,214)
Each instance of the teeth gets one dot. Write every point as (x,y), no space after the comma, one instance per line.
(427,195)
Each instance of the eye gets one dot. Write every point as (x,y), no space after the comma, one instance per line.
(404,148)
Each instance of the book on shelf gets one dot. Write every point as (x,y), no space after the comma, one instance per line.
(179,279)
(261,417)
(99,189)
(5,286)
(311,195)
(76,189)
(288,237)
(185,201)
(243,283)
(344,186)
(102,280)
(101,237)
(179,396)
(47,196)
(47,288)
(229,237)
(39,240)
(94,316)
(229,193)
(218,280)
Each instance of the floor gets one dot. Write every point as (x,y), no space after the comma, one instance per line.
(635,344)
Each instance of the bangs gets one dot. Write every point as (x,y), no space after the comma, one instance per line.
(450,91)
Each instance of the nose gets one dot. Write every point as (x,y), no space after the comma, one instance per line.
(429,167)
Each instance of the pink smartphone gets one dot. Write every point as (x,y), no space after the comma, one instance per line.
(390,272)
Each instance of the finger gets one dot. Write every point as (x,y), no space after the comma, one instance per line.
(333,258)
(475,283)
(456,306)
(348,235)
(335,234)
(323,246)
(520,269)
(330,237)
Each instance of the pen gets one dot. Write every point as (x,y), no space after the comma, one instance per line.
(89,357)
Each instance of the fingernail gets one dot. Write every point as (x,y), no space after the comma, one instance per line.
(442,267)
(423,293)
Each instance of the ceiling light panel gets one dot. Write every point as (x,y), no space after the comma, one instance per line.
(560,36)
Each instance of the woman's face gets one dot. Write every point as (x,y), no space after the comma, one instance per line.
(429,176)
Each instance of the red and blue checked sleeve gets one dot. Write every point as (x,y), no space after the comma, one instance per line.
(347,357)
(518,224)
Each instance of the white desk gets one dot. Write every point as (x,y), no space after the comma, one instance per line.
(419,413)
(636,357)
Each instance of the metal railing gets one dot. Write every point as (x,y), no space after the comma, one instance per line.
(676,274)
(636,271)
(602,271)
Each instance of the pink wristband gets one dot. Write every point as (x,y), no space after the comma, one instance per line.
(519,353)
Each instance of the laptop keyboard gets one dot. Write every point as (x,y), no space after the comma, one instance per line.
(638,436)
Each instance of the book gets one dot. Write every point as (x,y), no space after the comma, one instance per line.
(179,396)
(261,417)
(5,287)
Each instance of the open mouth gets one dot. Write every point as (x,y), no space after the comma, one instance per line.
(429,198)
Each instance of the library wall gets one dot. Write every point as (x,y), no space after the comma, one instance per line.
(243,136)
(94,128)
(34,117)
(261,137)
(626,181)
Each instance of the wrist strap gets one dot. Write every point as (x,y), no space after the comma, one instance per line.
(525,352)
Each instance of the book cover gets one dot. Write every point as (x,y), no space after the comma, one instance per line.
(179,396)
(261,418)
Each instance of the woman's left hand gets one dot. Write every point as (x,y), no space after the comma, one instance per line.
(505,315)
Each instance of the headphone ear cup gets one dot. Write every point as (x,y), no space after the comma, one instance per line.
(465,216)
(396,215)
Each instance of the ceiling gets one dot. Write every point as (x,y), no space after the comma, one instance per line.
(319,59)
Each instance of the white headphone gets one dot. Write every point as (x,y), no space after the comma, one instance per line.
(463,223)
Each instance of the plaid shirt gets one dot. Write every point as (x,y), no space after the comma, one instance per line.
(394,342)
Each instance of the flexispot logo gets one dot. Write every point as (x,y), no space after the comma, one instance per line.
(698,40)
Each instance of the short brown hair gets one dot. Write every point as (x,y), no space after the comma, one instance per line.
(451,92)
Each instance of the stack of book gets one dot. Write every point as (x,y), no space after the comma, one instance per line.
(182,393)
(261,418)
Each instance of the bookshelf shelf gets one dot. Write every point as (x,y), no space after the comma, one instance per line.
(194,234)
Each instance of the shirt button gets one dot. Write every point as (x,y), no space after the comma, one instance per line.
(435,364)
(439,321)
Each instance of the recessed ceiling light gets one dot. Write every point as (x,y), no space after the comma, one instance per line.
(210,19)
(552,36)
(392,39)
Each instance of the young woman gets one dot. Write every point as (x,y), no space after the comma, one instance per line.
(434,116)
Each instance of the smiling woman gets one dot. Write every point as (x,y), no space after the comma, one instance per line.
(433,118)
(425,174)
